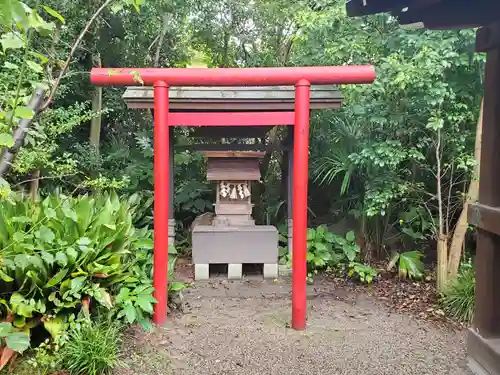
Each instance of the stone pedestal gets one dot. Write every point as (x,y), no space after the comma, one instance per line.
(235,246)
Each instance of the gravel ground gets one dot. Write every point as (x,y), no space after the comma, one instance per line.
(242,328)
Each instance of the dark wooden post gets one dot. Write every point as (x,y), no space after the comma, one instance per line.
(171,219)
(487,317)
(289,190)
(483,349)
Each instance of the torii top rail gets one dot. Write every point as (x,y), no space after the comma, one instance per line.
(301,77)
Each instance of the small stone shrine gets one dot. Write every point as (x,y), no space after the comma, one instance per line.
(233,238)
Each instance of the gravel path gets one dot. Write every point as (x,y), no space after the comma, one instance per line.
(241,328)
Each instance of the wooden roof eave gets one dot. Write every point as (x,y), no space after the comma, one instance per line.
(433,14)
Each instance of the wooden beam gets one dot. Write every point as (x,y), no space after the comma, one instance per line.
(234,154)
(229,147)
(484,217)
(230,118)
(230,131)
(246,106)
(488,38)
(434,14)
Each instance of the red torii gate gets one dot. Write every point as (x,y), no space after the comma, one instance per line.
(301,77)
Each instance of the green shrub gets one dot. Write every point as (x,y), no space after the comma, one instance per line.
(459,298)
(362,272)
(92,349)
(327,250)
(409,264)
(65,253)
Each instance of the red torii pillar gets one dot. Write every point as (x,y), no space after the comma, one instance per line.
(162,78)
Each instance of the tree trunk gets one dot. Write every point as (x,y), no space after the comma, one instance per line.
(225,51)
(35,182)
(34,185)
(472,195)
(95,124)
(96,121)
(159,39)
(159,46)
(442,239)
(442,262)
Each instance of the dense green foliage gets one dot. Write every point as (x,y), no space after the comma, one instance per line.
(375,161)
(67,256)
(58,251)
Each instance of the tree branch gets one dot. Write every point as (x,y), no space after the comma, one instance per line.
(153,43)
(20,132)
(46,178)
(72,52)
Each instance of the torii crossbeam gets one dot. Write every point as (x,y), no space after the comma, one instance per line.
(301,77)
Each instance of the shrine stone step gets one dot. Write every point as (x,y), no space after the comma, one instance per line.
(234,271)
